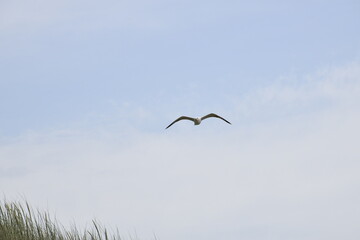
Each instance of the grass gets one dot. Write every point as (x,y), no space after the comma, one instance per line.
(20,222)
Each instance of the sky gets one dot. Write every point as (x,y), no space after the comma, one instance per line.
(87,89)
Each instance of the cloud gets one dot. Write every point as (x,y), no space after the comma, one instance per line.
(24,15)
(332,87)
(19,15)
(276,178)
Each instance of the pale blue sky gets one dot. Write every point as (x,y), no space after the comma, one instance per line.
(87,88)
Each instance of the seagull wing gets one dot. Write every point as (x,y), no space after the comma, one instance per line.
(214,115)
(181,118)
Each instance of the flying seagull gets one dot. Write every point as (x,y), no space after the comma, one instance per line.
(197,121)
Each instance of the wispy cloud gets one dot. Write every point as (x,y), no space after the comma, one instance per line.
(19,15)
(329,88)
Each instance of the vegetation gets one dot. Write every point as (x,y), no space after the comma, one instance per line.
(19,222)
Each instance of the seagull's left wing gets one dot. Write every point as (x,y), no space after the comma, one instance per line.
(181,118)
(214,115)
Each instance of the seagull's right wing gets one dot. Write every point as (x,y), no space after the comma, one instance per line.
(181,118)
(216,116)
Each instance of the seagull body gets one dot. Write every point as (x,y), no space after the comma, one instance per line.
(197,121)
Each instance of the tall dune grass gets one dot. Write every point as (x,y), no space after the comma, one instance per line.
(20,222)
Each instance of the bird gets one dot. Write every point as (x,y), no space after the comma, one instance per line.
(198,120)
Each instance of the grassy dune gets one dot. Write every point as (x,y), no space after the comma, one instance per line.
(20,222)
